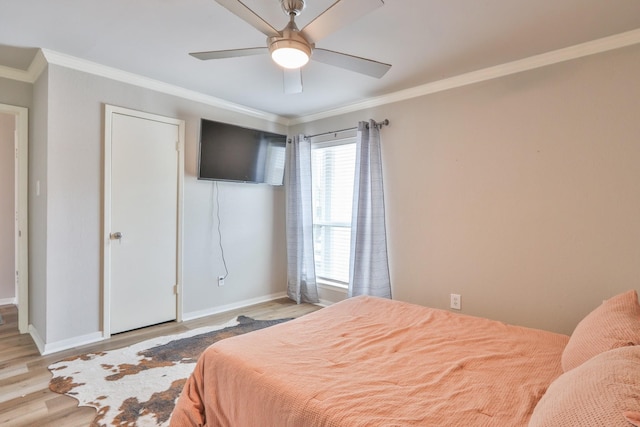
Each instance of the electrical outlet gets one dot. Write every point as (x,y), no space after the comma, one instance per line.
(455,301)
(220,280)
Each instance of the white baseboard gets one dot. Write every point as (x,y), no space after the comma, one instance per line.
(228,307)
(54,347)
(7,301)
(57,346)
(36,338)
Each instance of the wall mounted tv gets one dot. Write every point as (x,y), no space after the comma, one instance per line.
(233,153)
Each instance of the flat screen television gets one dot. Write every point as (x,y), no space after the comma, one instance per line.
(233,153)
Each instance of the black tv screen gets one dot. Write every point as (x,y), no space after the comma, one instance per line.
(233,153)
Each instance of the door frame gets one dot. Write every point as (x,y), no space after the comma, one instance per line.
(110,110)
(21,206)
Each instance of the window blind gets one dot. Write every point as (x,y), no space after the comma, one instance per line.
(333,168)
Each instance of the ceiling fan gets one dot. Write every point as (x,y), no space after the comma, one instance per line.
(292,48)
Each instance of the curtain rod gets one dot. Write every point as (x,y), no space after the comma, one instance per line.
(385,122)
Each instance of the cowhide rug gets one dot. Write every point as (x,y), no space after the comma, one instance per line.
(139,385)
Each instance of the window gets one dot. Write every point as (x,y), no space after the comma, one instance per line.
(333,167)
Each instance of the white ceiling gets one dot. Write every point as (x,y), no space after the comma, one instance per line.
(424,40)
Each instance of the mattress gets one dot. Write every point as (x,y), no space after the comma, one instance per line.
(373,362)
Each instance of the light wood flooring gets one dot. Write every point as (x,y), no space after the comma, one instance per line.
(25,398)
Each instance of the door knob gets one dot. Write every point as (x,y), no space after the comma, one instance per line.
(117,235)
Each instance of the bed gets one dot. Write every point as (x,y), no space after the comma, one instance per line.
(375,362)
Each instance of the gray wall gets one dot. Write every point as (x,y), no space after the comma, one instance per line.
(252,215)
(7,205)
(522,194)
(38,118)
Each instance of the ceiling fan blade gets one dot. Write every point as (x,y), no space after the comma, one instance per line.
(292,81)
(243,12)
(337,16)
(350,62)
(231,53)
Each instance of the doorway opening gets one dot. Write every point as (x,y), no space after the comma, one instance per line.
(16,120)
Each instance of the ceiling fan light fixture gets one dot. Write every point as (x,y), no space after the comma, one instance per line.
(290,54)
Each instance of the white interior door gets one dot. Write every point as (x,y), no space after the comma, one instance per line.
(142,236)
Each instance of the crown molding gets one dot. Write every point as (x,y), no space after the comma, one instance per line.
(45,56)
(94,68)
(38,64)
(549,58)
(15,74)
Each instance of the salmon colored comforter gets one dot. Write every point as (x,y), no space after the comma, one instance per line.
(373,362)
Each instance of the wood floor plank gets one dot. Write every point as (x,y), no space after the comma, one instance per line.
(24,410)
(25,398)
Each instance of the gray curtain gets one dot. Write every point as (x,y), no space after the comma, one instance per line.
(369,265)
(301,270)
